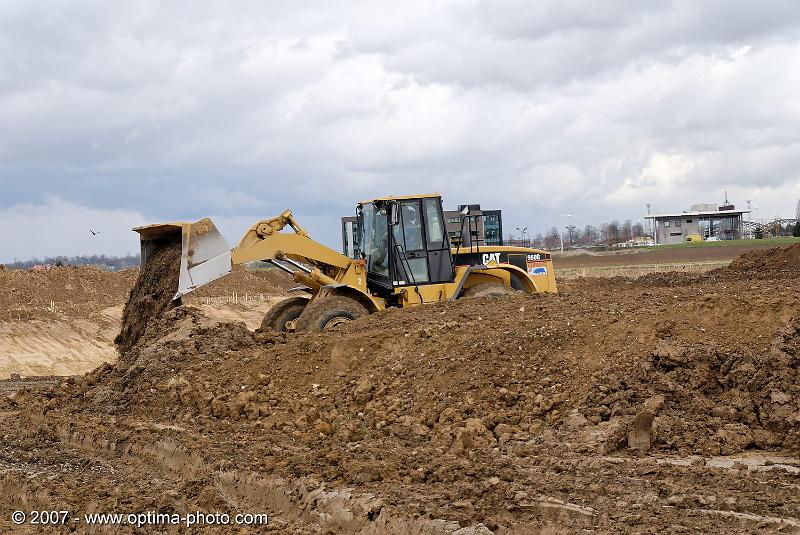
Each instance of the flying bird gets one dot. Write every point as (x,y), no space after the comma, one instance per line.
(94,233)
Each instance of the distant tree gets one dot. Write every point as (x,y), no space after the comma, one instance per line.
(796,231)
(604,234)
(758,233)
(590,235)
(626,231)
(538,240)
(552,239)
(613,233)
(105,262)
(638,230)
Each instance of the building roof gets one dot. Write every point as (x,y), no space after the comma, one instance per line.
(704,213)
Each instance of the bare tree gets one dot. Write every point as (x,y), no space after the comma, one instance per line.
(552,240)
(590,235)
(613,233)
(626,232)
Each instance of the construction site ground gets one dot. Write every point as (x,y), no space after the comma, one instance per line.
(721,252)
(665,403)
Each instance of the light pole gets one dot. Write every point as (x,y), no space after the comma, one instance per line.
(561,232)
(522,234)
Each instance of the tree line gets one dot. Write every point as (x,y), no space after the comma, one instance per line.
(607,235)
(111,263)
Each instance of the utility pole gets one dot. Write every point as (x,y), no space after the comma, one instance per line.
(749,220)
(561,232)
(522,232)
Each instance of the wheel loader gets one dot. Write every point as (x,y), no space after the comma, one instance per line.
(406,259)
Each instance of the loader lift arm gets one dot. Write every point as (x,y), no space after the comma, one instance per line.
(264,241)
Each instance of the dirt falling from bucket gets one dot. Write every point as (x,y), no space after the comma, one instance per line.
(152,294)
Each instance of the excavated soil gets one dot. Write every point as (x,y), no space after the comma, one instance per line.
(775,259)
(74,291)
(658,255)
(63,321)
(153,293)
(269,282)
(669,403)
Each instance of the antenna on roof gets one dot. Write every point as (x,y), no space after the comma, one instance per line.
(726,197)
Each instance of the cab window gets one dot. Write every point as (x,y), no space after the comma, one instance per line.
(435,227)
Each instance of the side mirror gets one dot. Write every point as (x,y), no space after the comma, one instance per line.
(394,213)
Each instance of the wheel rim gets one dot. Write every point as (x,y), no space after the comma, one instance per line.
(335,322)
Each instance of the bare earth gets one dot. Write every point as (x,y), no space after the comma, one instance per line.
(669,403)
(656,255)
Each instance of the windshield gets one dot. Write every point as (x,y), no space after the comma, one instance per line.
(375,239)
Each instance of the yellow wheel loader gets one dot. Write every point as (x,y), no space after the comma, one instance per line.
(405,259)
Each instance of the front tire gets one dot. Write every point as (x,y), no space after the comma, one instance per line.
(283,312)
(329,312)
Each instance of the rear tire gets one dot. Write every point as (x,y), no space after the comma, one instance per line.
(328,312)
(488,289)
(285,311)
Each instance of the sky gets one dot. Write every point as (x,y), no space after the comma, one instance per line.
(116,114)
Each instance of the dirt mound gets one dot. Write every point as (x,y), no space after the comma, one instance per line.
(72,291)
(778,258)
(575,409)
(152,294)
(242,280)
(700,400)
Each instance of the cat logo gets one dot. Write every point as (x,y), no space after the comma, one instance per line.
(490,257)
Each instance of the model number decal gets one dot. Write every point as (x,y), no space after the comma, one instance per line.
(534,257)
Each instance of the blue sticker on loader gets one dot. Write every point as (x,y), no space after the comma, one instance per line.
(541,270)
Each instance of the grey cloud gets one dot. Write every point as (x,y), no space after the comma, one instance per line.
(176,110)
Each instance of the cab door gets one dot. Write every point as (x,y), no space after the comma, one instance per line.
(440,261)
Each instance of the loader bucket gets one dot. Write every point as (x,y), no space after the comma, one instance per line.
(205,255)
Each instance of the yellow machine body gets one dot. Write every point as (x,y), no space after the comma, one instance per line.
(324,272)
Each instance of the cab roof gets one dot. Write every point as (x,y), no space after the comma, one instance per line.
(404,197)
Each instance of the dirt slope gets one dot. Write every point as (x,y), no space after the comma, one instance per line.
(775,259)
(664,404)
(658,255)
(76,292)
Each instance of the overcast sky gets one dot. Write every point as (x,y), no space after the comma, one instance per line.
(115,114)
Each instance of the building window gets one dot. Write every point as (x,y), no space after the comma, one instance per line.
(454,220)
(666,224)
(677,222)
(688,220)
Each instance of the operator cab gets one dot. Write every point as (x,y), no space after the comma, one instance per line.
(404,242)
